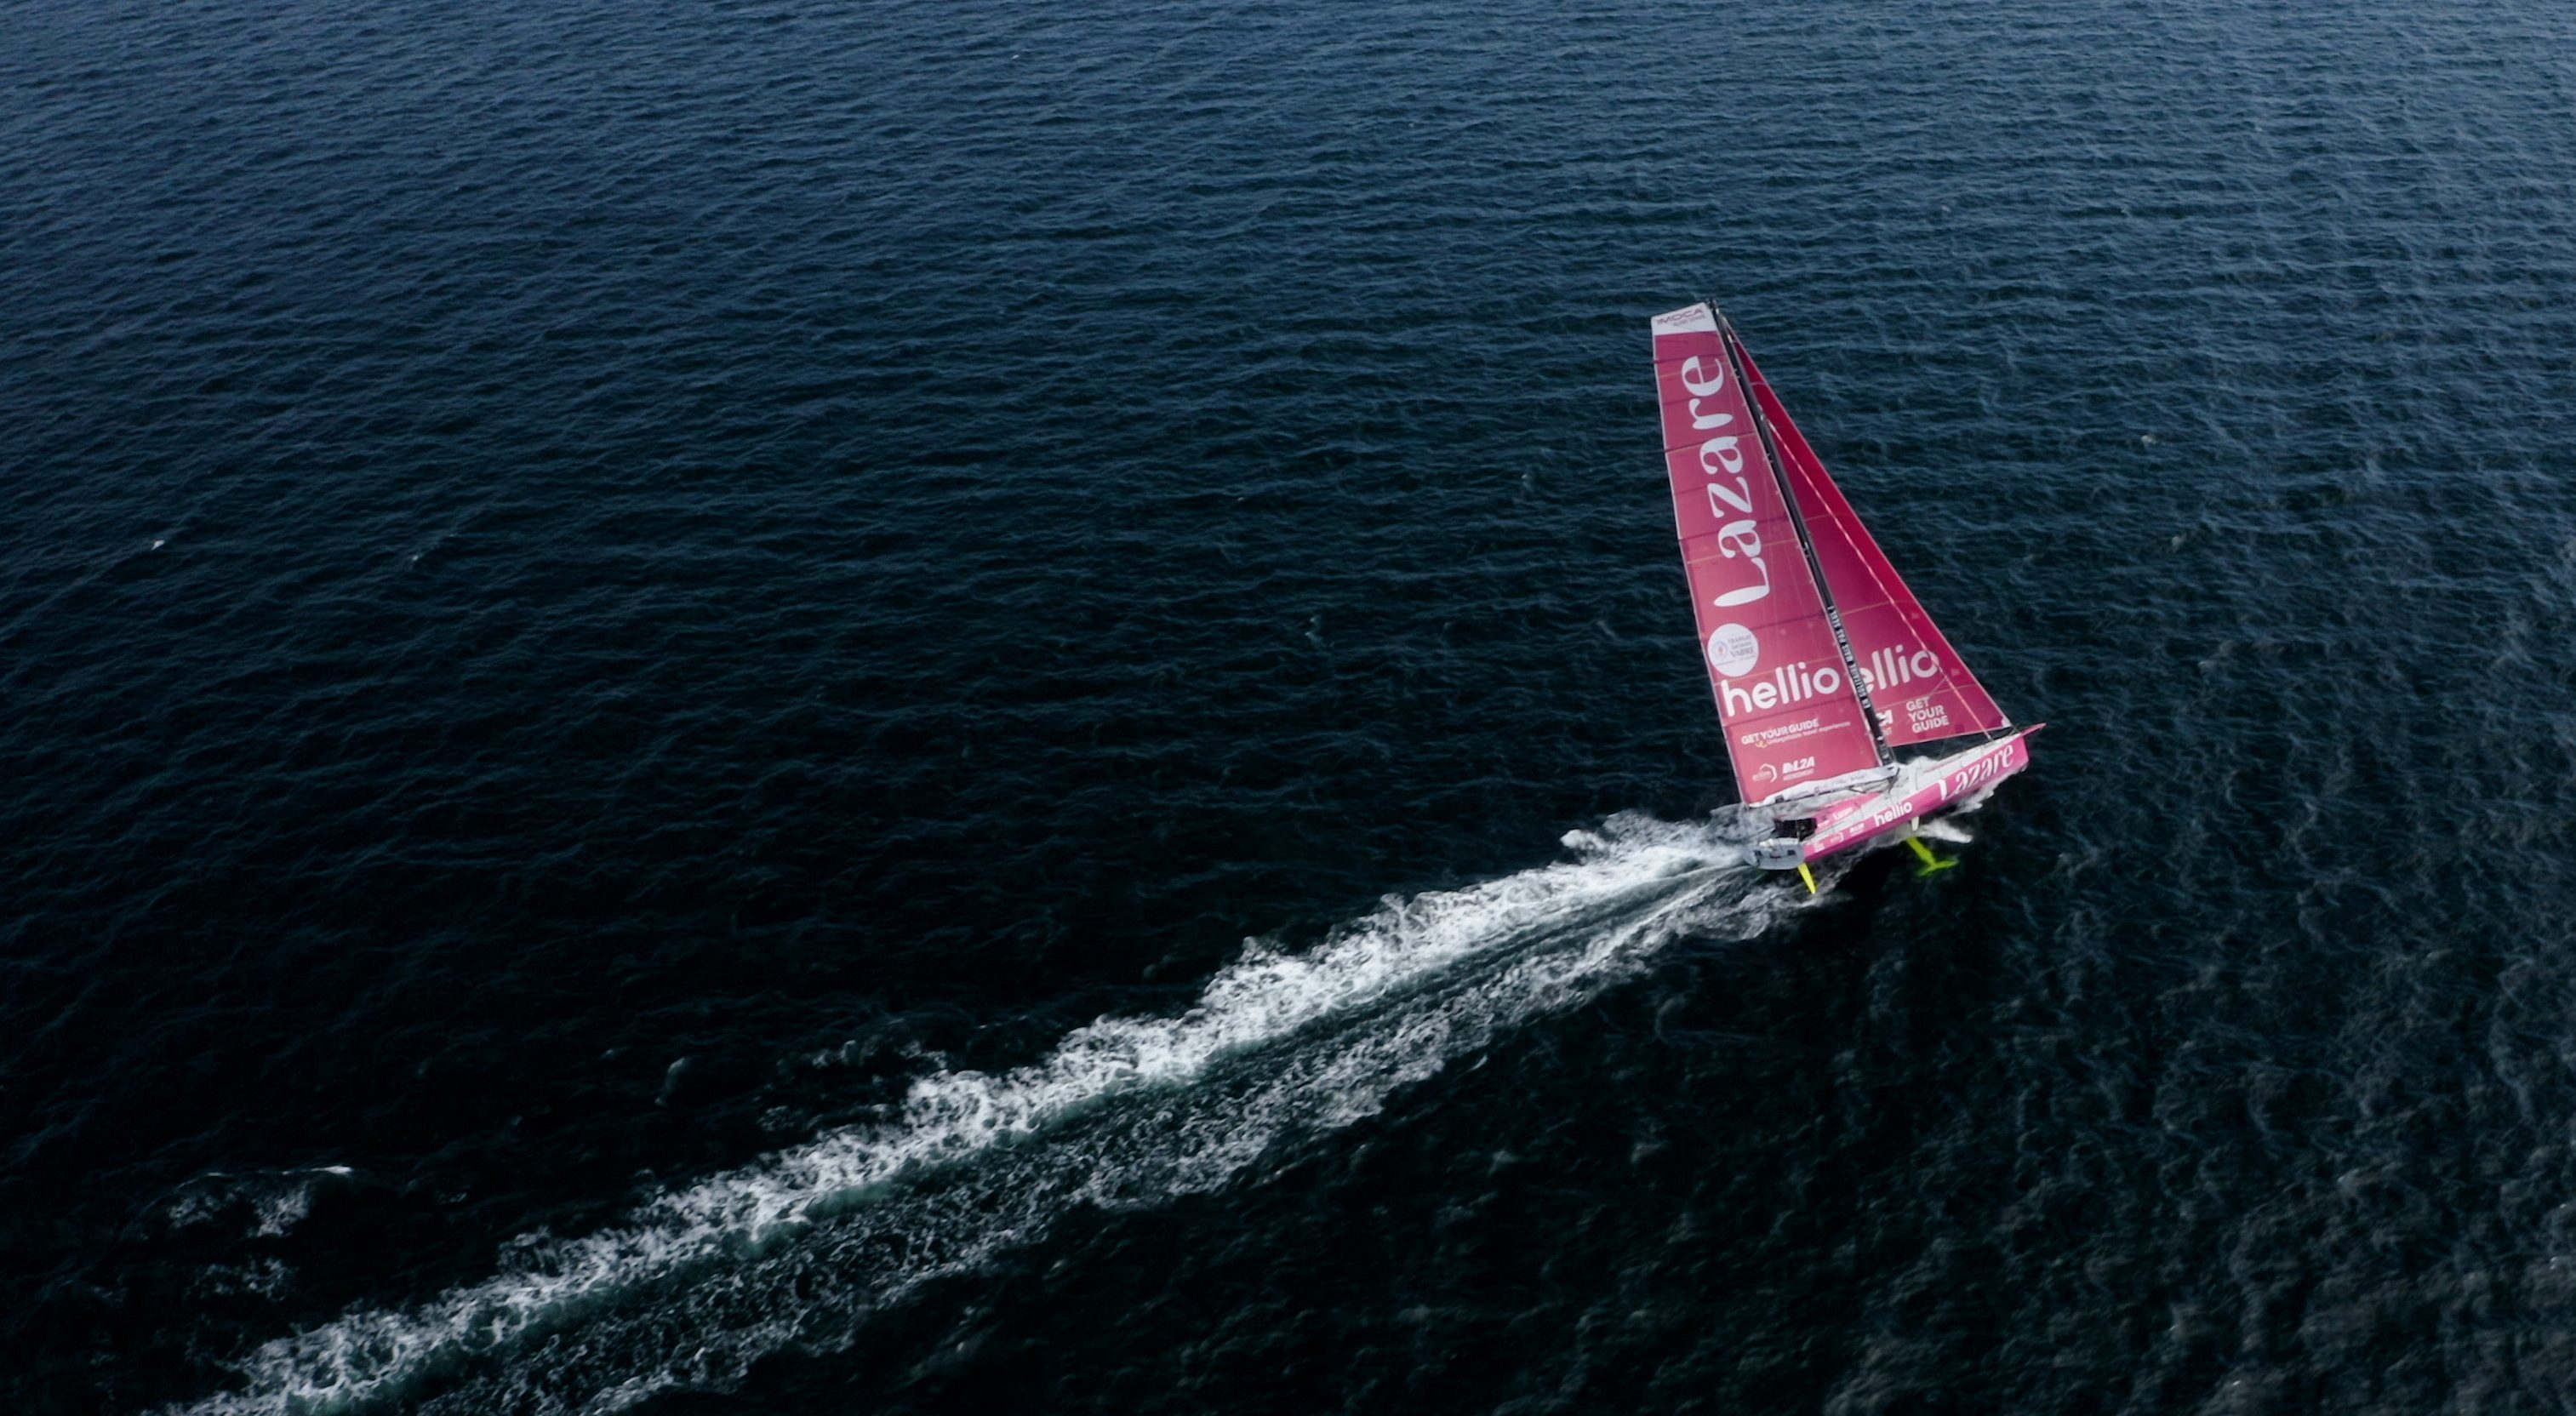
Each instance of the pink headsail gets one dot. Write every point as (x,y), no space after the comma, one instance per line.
(1922,691)
(1784,694)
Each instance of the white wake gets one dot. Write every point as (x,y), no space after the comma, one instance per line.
(793,1251)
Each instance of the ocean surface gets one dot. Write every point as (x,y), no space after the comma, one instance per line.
(771,707)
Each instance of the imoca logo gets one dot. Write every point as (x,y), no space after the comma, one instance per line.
(1733,651)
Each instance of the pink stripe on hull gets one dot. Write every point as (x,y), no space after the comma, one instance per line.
(1966,775)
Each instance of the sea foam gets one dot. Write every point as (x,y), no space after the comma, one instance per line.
(794,1250)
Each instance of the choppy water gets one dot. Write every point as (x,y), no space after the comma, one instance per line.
(654,661)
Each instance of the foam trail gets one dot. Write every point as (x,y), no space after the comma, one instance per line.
(793,1251)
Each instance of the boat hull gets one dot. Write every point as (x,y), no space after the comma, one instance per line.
(1938,784)
(1926,788)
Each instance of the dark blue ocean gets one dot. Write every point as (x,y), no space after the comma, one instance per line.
(728,708)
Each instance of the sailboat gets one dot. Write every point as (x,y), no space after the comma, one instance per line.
(1825,666)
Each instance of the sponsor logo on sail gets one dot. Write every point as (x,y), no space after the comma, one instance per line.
(1898,665)
(1730,489)
(1777,733)
(1787,685)
(1690,319)
(1733,651)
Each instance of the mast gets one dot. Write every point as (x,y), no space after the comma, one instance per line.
(1806,542)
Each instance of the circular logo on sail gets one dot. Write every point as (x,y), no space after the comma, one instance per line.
(1732,650)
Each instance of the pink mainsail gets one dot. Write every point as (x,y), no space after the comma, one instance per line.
(1791,713)
(1921,689)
